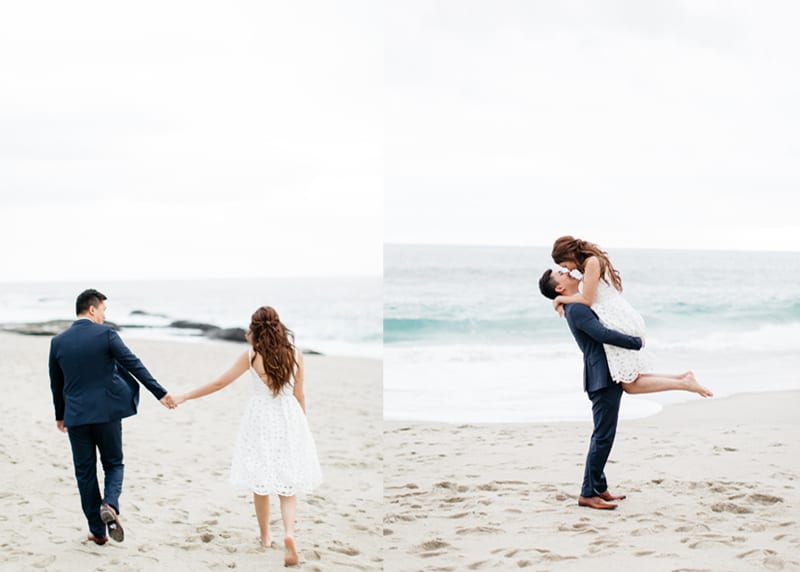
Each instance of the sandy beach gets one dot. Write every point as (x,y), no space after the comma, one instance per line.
(177,507)
(711,484)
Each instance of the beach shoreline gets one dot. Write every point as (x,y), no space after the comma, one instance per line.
(177,507)
(708,481)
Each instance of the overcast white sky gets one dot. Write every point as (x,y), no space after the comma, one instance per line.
(190,139)
(632,124)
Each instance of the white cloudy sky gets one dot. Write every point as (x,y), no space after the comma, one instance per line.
(190,139)
(648,124)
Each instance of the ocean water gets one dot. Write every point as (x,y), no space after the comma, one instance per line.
(469,338)
(335,316)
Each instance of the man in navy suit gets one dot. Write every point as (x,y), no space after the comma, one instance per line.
(94,388)
(604,393)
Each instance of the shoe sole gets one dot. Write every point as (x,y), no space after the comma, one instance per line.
(114,527)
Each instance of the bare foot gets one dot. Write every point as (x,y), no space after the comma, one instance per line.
(291,558)
(696,387)
(266,542)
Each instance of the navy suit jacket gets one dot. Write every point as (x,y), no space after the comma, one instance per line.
(591,335)
(92,375)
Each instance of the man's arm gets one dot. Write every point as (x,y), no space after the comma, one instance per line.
(585,320)
(57,387)
(130,362)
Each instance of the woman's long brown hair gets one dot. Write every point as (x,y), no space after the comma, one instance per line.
(274,342)
(568,248)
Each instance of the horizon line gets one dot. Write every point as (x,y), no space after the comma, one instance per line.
(484,245)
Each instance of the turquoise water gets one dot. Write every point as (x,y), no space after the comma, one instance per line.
(452,294)
(468,336)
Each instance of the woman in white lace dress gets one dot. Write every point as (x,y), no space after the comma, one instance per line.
(275,452)
(601,289)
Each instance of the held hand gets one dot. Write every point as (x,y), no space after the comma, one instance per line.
(168,402)
(60,426)
(179,399)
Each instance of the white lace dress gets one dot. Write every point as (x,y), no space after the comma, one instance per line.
(275,451)
(617,314)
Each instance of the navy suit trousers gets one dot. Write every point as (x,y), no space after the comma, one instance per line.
(86,440)
(605,412)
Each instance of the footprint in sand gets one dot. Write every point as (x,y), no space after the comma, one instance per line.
(764,499)
(550,556)
(602,544)
(768,559)
(312,555)
(709,540)
(645,531)
(435,544)
(45,562)
(344,549)
(693,528)
(445,485)
(401,517)
(726,449)
(730,507)
(578,528)
(479,530)
(408,486)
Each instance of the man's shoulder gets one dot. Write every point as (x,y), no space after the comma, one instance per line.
(577,310)
(82,326)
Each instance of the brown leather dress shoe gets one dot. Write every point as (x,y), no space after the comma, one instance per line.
(98,541)
(607,496)
(596,502)
(109,516)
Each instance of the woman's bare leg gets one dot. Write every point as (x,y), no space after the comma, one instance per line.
(262,514)
(671,375)
(655,382)
(288,511)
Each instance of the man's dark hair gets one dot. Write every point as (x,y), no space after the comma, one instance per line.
(547,285)
(88,298)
